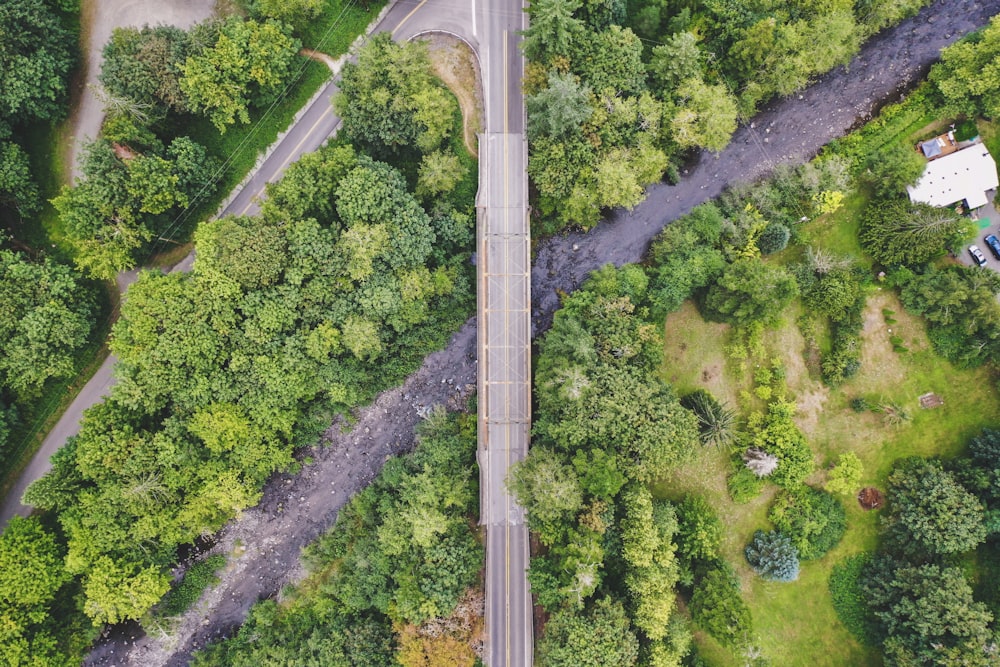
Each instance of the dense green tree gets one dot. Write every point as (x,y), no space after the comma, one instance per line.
(877,14)
(388,100)
(552,29)
(31,569)
(685,258)
(929,514)
(927,616)
(705,117)
(306,188)
(610,60)
(119,591)
(49,317)
(890,170)
(124,198)
(31,573)
(36,57)
(677,60)
(145,66)
(960,304)
(601,636)
(845,477)
(438,174)
(965,78)
(18,190)
(242,250)
(651,586)
(716,606)
(750,291)
(899,232)
(297,13)
(560,108)
(776,434)
(699,531)
(245,66)
(549,490)
(830,290)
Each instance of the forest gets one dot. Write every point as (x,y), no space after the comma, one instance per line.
(621,92)
(395,581)
(699,558)
(351,274)
(185,119)
(358,266)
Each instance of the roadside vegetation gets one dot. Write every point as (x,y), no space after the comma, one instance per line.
(619,94)
(351,274)
(51,318)
(837,367)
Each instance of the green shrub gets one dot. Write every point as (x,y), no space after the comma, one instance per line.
(773,239)
(743,485)
(848,601)
(860,404)
(715,421)
(716,606)
(812,519)
(777,434)
(699,531)
(198,577)
(966,130)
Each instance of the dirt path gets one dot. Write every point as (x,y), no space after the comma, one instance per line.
(456,65)
(98,19)
(297,509)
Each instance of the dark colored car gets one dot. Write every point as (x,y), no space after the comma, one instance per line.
(993,243)
(977,255)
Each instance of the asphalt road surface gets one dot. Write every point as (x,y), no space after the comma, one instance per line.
(504,316)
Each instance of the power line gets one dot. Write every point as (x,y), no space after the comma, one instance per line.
(183,216)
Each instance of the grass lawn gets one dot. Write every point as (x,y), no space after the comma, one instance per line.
(795,622)
(837,232)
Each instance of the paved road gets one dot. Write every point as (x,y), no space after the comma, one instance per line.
(504,333)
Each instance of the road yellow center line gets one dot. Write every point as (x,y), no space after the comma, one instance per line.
(407,17)
(291,155)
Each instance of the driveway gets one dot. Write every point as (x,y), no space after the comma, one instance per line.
(984,213)
(98,19)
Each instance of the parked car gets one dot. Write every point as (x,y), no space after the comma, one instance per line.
(977,255)
(993,243)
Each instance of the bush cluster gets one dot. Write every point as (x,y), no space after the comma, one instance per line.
(813,520)
(716,606)
(848,600)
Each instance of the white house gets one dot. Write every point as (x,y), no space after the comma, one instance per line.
(963,175)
